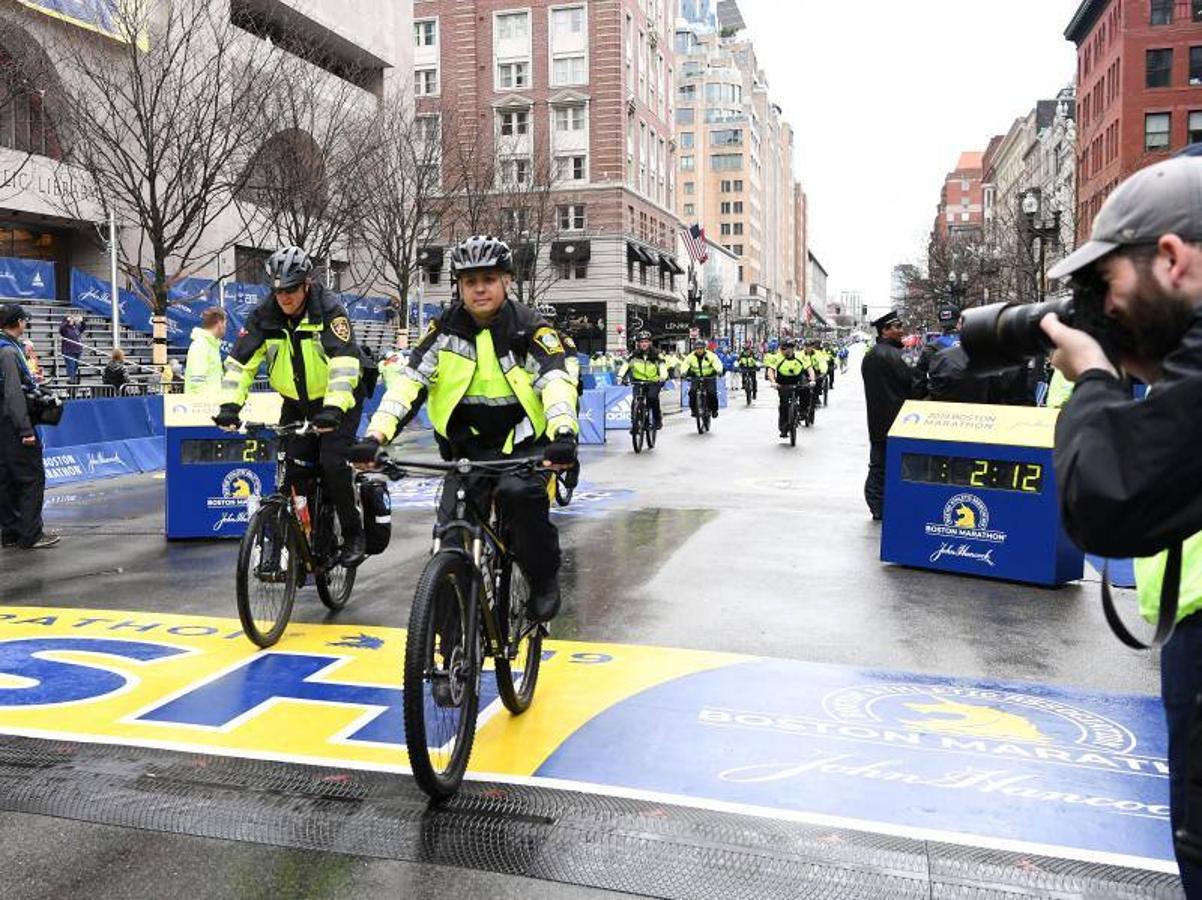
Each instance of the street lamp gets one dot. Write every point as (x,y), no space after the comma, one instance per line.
(1033,226)
(726,306)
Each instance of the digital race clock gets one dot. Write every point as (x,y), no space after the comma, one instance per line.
(967,471)
(205,451)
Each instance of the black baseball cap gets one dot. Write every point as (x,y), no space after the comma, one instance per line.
(11,314)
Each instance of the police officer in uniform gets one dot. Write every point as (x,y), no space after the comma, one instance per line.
(888,383)
(703,363)
(22,473)
(791,371)
(647,367)
(492,375)
(304,336)
(1129,472)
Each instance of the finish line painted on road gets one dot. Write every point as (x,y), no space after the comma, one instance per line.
(1012,766)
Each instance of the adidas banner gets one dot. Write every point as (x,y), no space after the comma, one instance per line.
(26,279)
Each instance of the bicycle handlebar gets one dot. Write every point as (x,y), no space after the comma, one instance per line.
(397,469)
(296,429)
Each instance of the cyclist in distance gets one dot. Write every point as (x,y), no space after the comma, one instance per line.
(703,363)
(747,362)
(646,365)
(492,374)
(791,370)
(305,337)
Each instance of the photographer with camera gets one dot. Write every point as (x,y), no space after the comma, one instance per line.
(1128,472)
(22,474)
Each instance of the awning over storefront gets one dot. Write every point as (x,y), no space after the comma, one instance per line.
(669,264)
(430,258)
(571,251)
(639,254)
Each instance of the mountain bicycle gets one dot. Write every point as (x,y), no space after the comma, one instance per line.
(642,422)
(470,603)
(792,396)
(699,401)
(749,384)
(290,533)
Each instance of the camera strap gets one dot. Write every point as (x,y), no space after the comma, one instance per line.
(1170,588)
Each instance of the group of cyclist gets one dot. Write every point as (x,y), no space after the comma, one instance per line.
(808,369)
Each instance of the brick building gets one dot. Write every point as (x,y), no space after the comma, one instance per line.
(961,202)
(572,103)
(1139,75)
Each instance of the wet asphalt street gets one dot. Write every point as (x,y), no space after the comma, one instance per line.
(732,541)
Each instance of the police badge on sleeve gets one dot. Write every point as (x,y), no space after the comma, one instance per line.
(548,339)
(341,327)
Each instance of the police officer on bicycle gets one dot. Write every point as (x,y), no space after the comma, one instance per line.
(493,377)
(703,363)
(790,371)
(304,336)
(647,367)
(747,363)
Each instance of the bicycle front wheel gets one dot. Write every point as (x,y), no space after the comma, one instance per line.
(636,427)
(442,662)
(518,675)
(268,574)
(334,581)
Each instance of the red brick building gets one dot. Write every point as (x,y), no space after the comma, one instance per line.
(1139,77)
(961,206)
(578,96)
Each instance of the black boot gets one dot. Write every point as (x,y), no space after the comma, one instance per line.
(354,550)
(544,600)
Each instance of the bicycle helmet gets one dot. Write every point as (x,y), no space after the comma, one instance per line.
(481,251)
(698,344)
(788,345)
(643,336)
(287,268)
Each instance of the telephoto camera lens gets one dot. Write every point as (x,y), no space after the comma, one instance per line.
(1003,335)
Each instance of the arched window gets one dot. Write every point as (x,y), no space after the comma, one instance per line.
(27,88)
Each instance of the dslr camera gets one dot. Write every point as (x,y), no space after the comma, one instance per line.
(1004,335)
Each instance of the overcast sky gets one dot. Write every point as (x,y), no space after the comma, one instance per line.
(884,95)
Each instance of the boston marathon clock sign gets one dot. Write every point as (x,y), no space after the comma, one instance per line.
(970,489)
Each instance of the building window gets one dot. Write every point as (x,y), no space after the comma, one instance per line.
(690,188)
(1159,68)
(570,271)
(726,137)
(1195,127)
(571,217)
(567,22)
(724,229)
(736,249)
(425,82)
(515,171)
(1162,12)
(686,93)
(514,219)
(1195,66)
(513,75)
(569,118)
(689,209)
(738,207)
(512,27)
(686,140)
(724,208)
(1196,10)
(425,34)
(570,168)
(1156,131)
(688,163)
(568,70)
(515,123)
(725,162)
(684,115)
(737,230)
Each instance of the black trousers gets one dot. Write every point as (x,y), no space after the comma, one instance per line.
(331,452)
(803,399)
(874,487)
(710,387)
(526,507)
(22,487)
(651,391)
(747,370)
(1180,685)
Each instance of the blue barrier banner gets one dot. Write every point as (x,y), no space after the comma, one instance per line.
(722,398)
(366,309)
(592,417)
(85,462)
(431,311)
(115,419)
(149,454)
(617,408)
(92,294)
(26,279)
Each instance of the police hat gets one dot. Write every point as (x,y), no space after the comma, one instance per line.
(887,319)
(11,314)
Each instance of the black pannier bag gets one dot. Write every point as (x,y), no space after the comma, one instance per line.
(377,514)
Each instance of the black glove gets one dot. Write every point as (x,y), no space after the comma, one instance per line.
(228,416)
(562,450)
(365,451)
(329,417)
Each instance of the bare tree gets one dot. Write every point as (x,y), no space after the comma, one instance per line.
(159,123)
(308,182)
(405,199)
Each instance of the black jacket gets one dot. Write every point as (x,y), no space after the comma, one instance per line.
(1130,472)
(888,383)
(13,405)
(115,374)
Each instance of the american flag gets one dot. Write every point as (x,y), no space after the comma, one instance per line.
(694,241)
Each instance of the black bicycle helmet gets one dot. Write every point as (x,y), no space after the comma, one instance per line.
(643,336)
(481,251)
(287,268)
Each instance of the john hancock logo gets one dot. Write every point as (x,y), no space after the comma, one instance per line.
(965,517)
(238,490)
